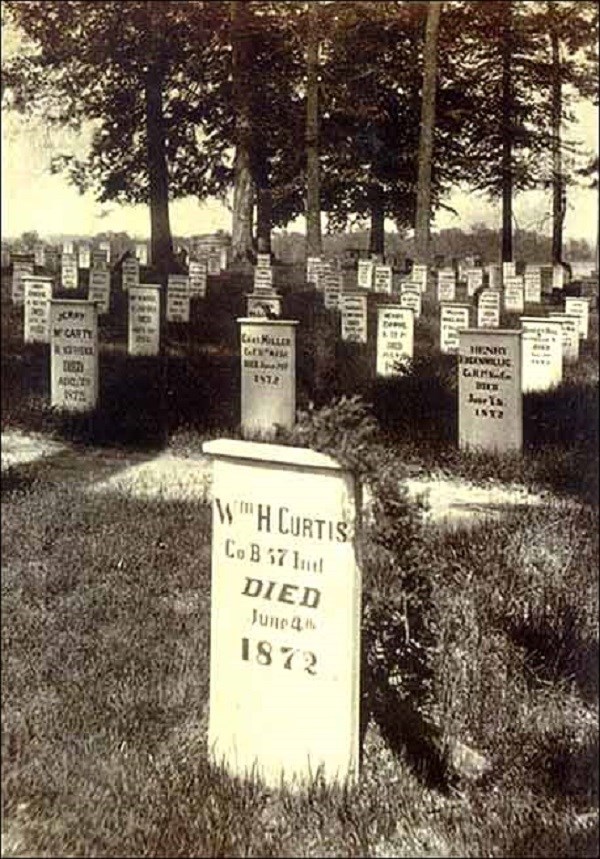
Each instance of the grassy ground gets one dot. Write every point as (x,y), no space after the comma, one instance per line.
(105,635)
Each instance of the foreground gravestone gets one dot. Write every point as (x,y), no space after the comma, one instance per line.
(36,318)
(542,363)
(19,272)
(353,306)
(395,338)
(580,307)
(69,272)
(488,309)
(99,289)
(74,355)
(570,335)
(285,615)
(453,318)
(144,319)
(268,358)
(198,271)
(178,298)
(490,400)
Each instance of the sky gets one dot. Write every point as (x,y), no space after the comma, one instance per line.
(32,199)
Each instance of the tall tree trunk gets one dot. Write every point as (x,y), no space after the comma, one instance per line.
(506,133)
(264,203)
(243,192)
(423,213)
(558,191)
(313,193)
(161,242)
(377,235)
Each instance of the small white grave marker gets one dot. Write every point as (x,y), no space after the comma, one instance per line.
(285,615)
(144,319)
(99,260)
(130,273)
(490,413)
(542,353)
(533,286)
(419,275)
(19,272)
(494,273)
(178,298)
(312,268)
(412,299)
(99,289)
(446,288)
(383,279)
(74,355)
(354,317)
(333,290)
(453,318)
(83,255)
(69,273)
(395,338)
(263,280)
(509,269)
(513,294)
(105,246)
(570,331)
(580,307)
(474,280)
(141,253)
(39,255)
(214,263)
(68,247)
(38,294)
(365,273)
(488,309)
(268,356)
(198,273)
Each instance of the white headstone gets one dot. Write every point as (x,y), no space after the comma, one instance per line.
(474,280)
(141,253)
(570,331)
(509,269)
(263,260)
(419,275)
(285,615)
(268,357)
(494,273)
(263,280)
(533,286)
(99,289)
(580,307)
(264,305)
(446,288)
(105,246)
(411,299)
(395,338)
(68,247)
(130,273)
(178,298)
(38,294)
(488,309)
(69,274)
(453,318)
(383,279)
(19,271)
(144,319)
(74,355)
(558,277)
(513,294)
(83,255)
(490,413)
(333,290)
(99,259)
(353,308)
(542,353)
(39,254)
(365,273)
(214,263)
(198,272)
(312,269)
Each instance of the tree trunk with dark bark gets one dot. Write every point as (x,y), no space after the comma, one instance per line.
(558,190)
(506,166)
(377,205)
(161,242)
(423,212)
(243,193)
(313,193)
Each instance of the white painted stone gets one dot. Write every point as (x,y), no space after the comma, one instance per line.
(395,338)
(570,331)
(198,278)
(488,309)
(263,280)
(178,298)
(285,615)
(19,272)
(453,318)
(365,273)
(533,286)
(474,280)
(74,355)
(490,413)
(99,289)
(144,319)
(130,273)
(264,306)
(513,294)
(580,307)
(69,273)
(36,318)
(83,255)
(446,287)
(542,353)
(141,253)
(353,306)
(268,358)
(509,269)
(412,299)
(383,278)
